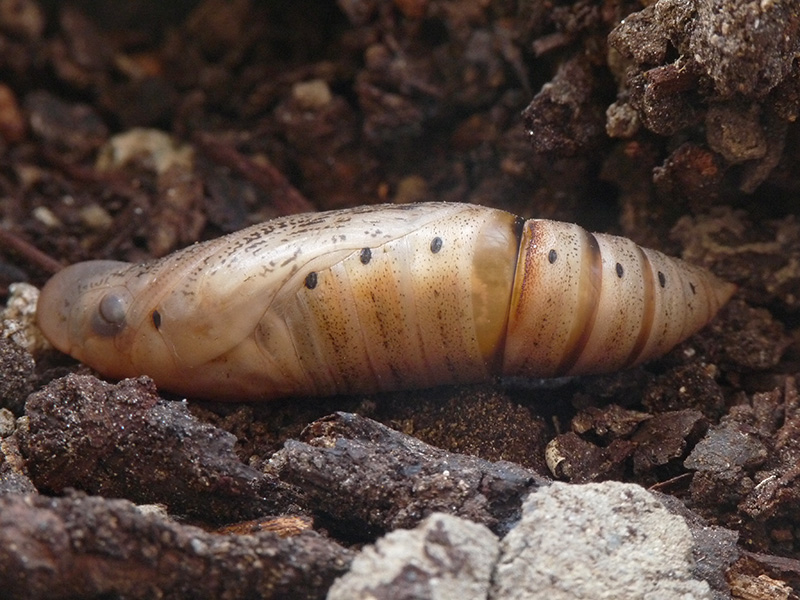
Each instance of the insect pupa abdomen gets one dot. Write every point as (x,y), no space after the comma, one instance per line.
(592,303)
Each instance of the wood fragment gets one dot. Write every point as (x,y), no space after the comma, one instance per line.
(29,252)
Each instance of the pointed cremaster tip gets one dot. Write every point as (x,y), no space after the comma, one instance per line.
(723,290)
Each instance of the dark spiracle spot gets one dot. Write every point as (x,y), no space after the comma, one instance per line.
(157,319)
(620,271)
(436,244)
(552,256)
(694,290)
(311,280)
(662,280)
(366,256)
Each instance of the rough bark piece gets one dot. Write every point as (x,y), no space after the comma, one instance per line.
(665,437)
(359,472)
(607,540)
(124,441)
(444,557)
(726,447)
(748,469)
(87,547)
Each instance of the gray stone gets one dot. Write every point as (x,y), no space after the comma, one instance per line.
(597,541)
(443,558)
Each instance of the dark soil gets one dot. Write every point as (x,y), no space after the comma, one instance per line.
(674,124)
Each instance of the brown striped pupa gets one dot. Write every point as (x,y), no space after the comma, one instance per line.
(378,298)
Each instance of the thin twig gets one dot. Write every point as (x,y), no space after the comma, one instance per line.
(30,252)
(286,198)
(674,484)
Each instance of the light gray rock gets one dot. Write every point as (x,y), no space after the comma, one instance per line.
(597,541)
(443,558)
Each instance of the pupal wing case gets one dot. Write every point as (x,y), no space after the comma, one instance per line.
(378,298)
